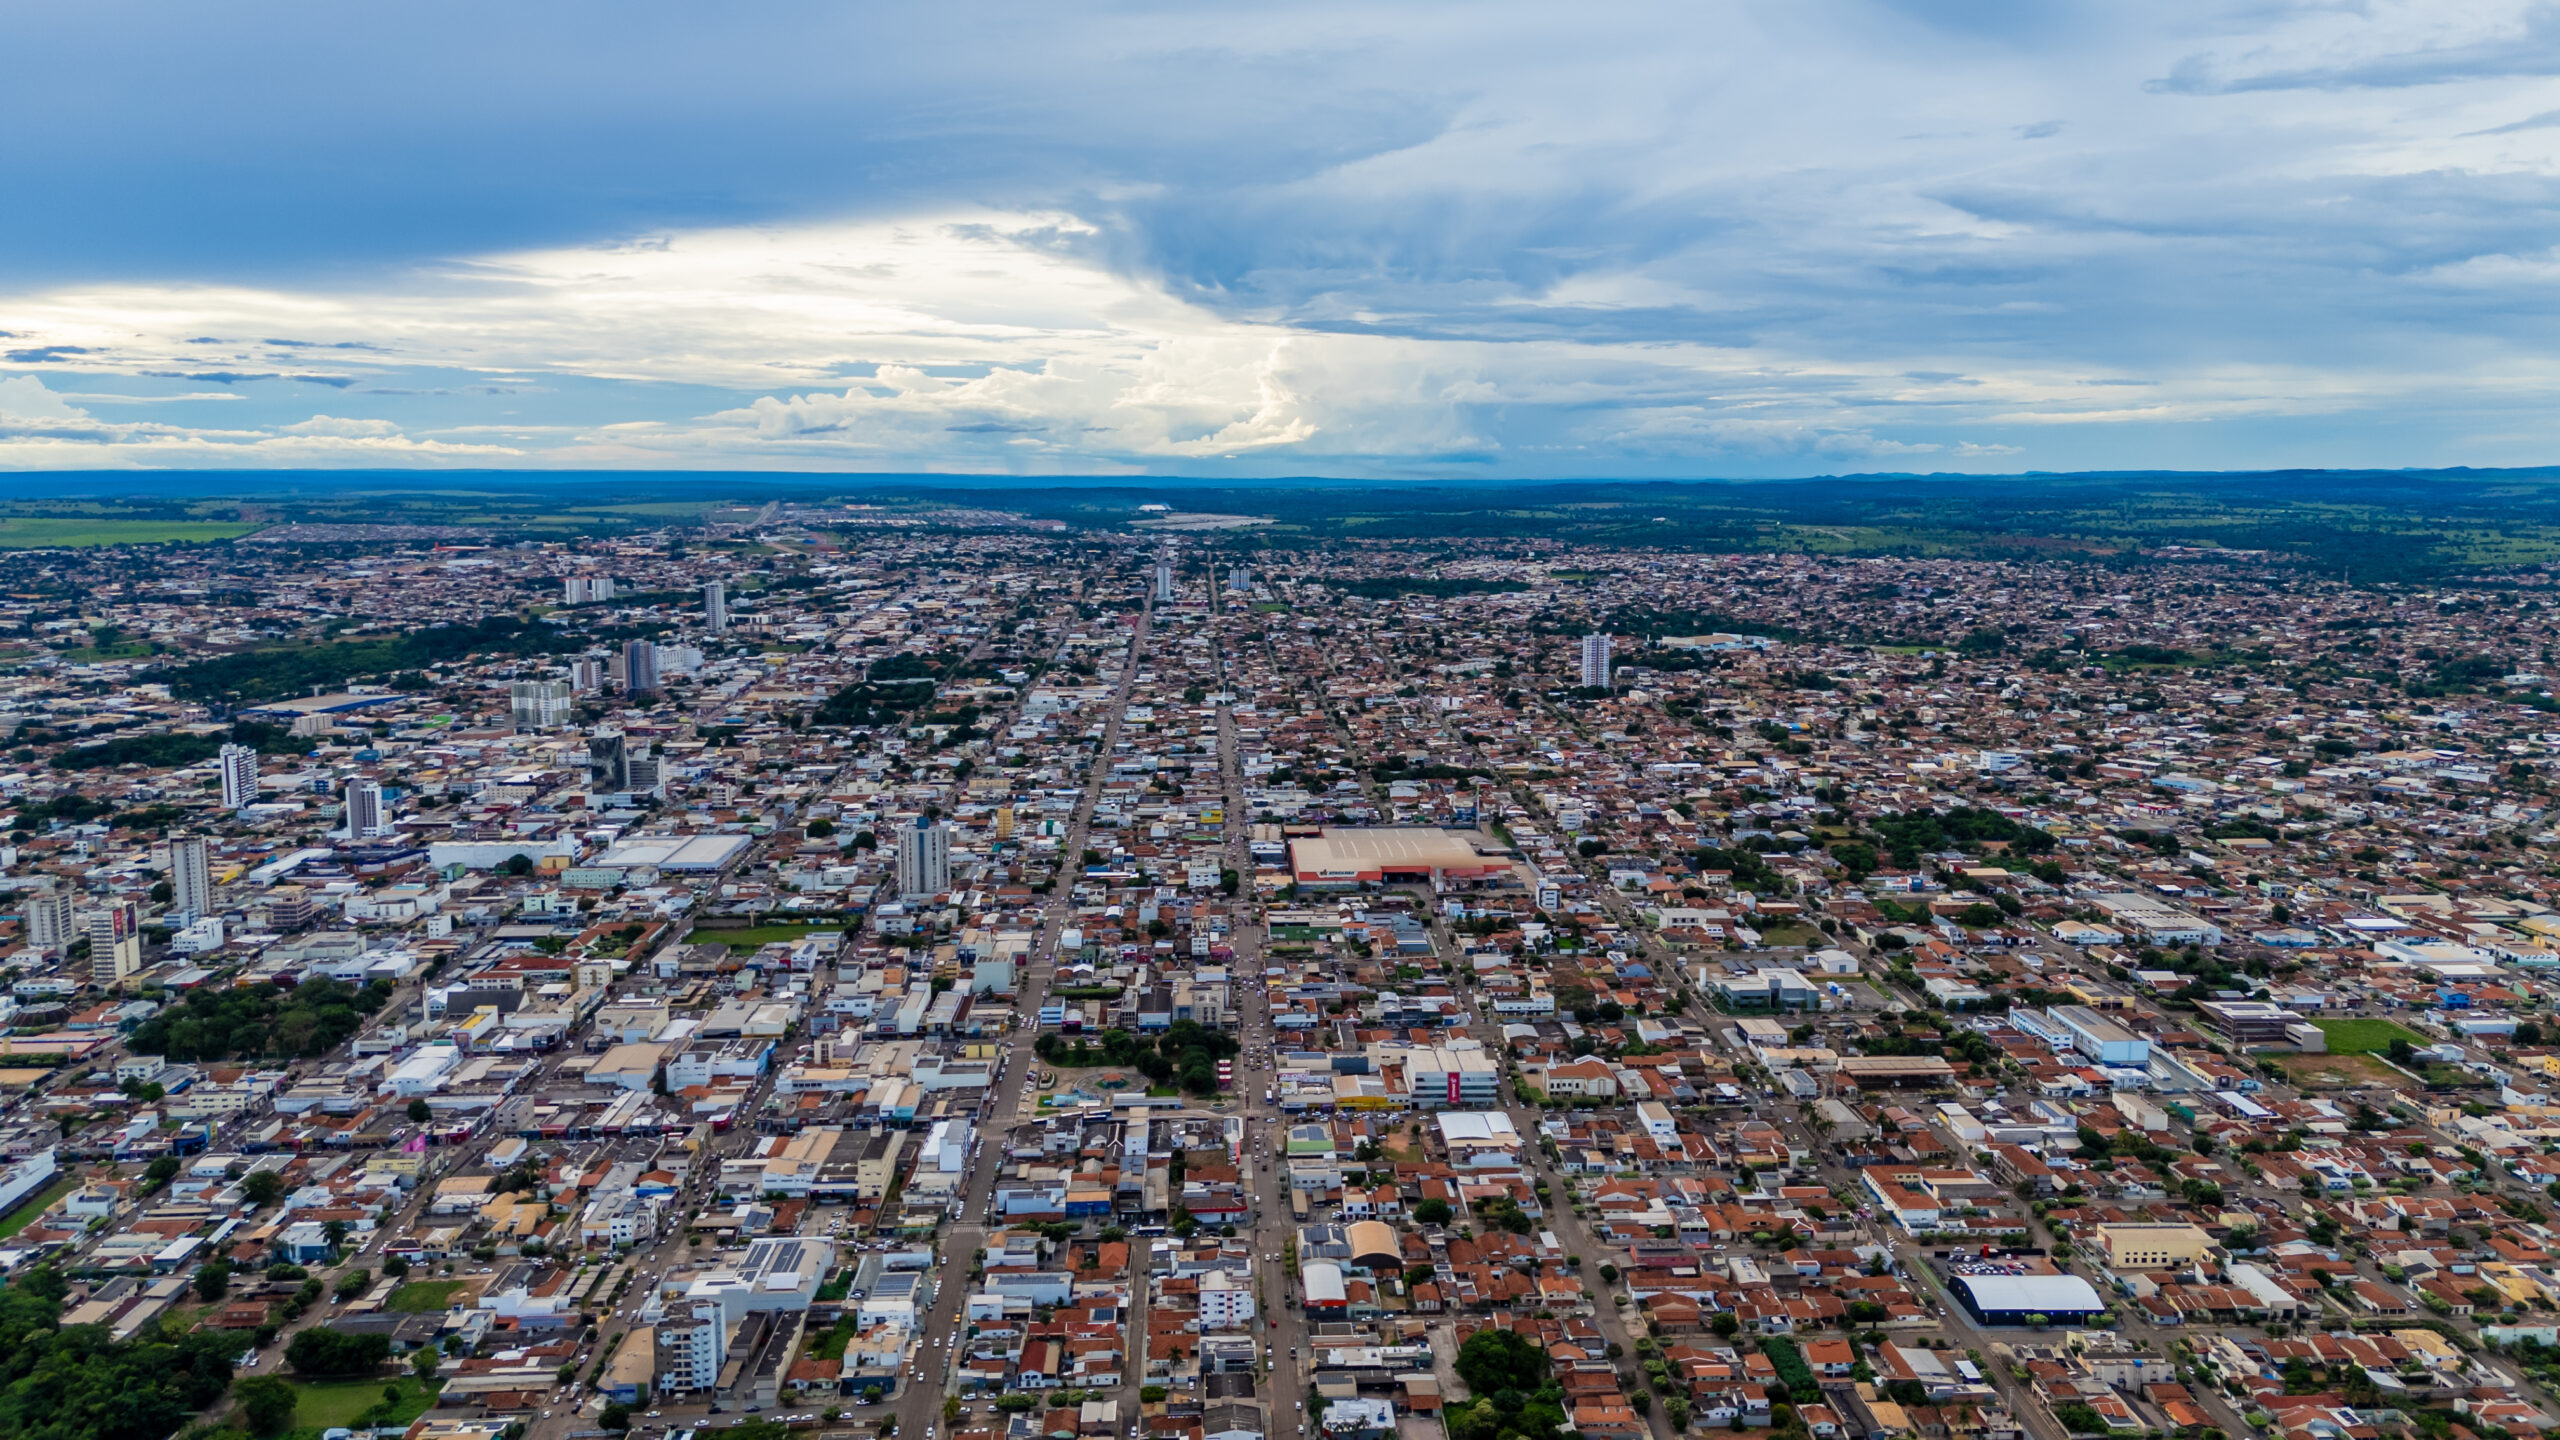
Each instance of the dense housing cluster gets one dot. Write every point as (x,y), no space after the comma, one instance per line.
(933,971)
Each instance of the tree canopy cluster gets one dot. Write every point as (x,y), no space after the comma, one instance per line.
(1514,1385)
(1907,836)
(258,1021)
(321,1351)
(1187,1052)
(169,750)
(259,675)
(78,1383)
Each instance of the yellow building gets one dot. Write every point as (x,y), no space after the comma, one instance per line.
(2153,1247)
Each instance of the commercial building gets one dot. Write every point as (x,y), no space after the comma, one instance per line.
(2027,1299)
(239,765)
(2100,1038)
(706,1312)
(2252,1022)
(1345,858)
(115,941)
(2152,1247)
(1437,1076)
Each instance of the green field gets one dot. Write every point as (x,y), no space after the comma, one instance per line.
(331,1404)
(2366,1037)
(35,1205)
(423,1297)
(759,935)
(32,532)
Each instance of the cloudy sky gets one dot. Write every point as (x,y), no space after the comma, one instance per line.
(1396,240)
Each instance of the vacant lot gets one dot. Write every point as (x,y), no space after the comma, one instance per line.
(334,1404)
(760,935)
(2339,1072)
(2365,1037)
(423,1297)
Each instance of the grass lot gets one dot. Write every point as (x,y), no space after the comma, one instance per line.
(28,532)
(334,1403)
(35,1205)
(1791,934)
(423,1297)
(758,935)
(2339,1072)
(2365,1037)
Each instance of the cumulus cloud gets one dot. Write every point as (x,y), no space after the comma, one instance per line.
(342,429)
(1716,238)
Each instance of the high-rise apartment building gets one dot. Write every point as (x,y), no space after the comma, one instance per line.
(586,675)
(52,920)
(586,590)
(115,942)
(1164,582)
(639,667)
(715,607)
(924,860)
(608,763)
(367,818)
(1595,659)
(239,777)
(540,704)
(191,877)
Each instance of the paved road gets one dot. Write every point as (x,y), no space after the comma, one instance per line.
(919,1406)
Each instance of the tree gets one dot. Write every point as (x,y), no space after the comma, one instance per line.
(616,1416)
(1433,1212)
(420,1112)
(320,1351)
(1494,1360)
(263,1187)
(266,1403)
(354,1283)
(213,1281)
(424,1360)
(395,1265)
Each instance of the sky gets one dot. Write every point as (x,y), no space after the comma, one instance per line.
(1398,241)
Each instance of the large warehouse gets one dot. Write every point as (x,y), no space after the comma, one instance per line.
(1336,858)
(2020,1299)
